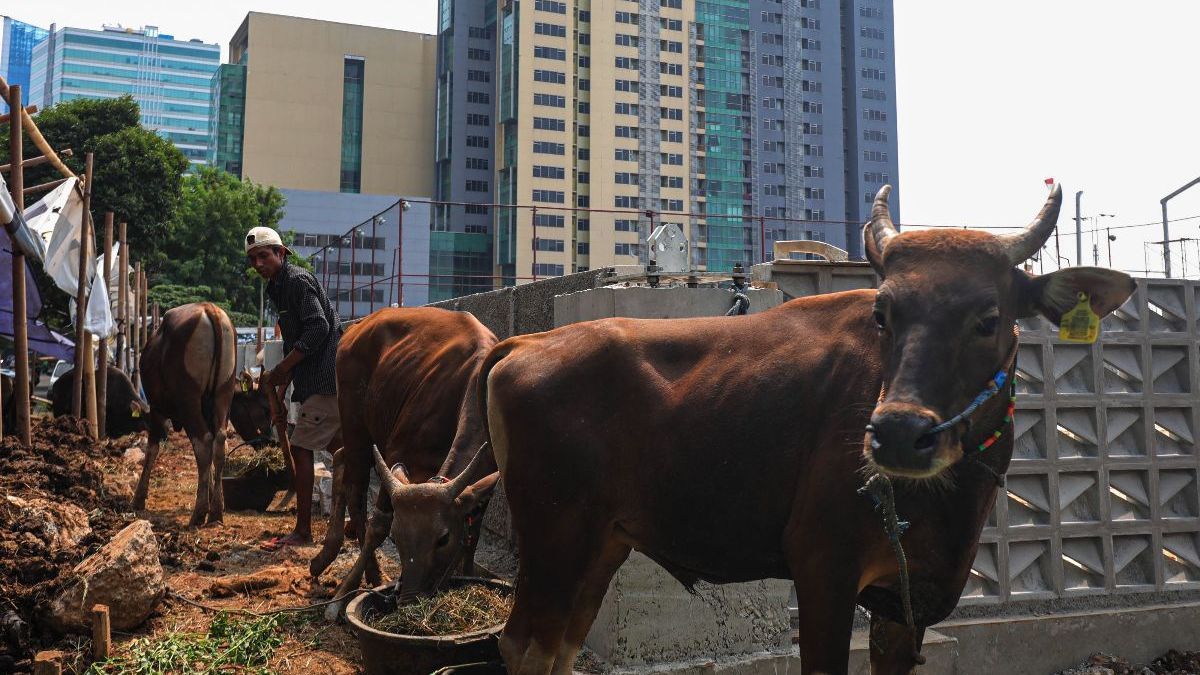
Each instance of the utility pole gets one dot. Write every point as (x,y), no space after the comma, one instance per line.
(1078,231)
(1167,227)
(1111,238)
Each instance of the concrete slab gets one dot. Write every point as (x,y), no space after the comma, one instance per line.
(1048,644)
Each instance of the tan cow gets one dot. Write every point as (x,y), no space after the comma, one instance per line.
(188,373)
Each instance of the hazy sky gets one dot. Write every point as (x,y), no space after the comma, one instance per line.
(993,98)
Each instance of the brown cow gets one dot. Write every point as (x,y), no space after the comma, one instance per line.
(403,375)
(732,449)
(188,374)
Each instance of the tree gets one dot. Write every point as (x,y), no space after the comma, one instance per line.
(173,295)
(206,244)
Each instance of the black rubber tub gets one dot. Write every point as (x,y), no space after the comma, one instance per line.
(393,654)
(483,668)
(254,491)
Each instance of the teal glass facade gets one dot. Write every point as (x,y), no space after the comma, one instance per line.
(352,124)
(171,80)
(228,119)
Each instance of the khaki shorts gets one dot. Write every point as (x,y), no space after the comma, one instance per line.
(318,422)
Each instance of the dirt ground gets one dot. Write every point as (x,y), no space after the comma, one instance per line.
(207,565)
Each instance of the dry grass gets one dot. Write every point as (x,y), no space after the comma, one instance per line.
(467,608)
(247,460)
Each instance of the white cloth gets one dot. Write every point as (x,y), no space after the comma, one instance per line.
(58,220)
(98,320)
(26,241)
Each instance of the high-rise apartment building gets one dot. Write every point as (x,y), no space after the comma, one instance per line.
(170,79)
(17,40)
(743,121)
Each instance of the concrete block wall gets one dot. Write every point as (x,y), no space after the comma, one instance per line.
(1102,493)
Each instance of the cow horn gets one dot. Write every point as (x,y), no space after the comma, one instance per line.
(467,475)
(1022,246)
(386,478)
(882,228)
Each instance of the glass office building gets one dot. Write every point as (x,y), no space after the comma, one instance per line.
(17,40)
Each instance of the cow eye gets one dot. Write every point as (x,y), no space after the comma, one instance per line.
(880,319)
(987,325)
(444,539)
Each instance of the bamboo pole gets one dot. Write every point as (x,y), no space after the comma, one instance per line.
(20,309)
(136,327)
(36,161)
(45,187)
(102,375)
(122,302)
(81,293)
(147,325)
(31,109)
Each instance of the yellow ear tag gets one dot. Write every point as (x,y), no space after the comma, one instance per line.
(1080,324)
(245,386)
(136,414)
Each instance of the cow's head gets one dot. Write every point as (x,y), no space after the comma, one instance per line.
(945,310)
(250,412)
(432,521)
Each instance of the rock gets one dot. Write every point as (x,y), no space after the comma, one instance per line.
(57,525)
(125,575)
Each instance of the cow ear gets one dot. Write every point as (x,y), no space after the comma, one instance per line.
(874,255)
(401,473)
(478,493)
(1052,295)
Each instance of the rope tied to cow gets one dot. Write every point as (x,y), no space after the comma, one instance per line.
(741,304)
(879,489)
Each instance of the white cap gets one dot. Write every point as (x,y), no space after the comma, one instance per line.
(262,236)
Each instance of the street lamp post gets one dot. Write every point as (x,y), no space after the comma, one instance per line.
(404,206)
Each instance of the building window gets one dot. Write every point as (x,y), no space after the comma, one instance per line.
(549,196)
(625,202)
(583,201)
(872,115)
(670,46)
(626,132)
(477,33)
(550,100)
(670,24)
(873,74)
(872,33)
(671,113)
(479,54)
(478,163)
(673,4)
(627,63)
(552,53)
(671,136)
(547,220)
(670,181)
(874,94)
(876,177)
(477,120)
(624,40)
(477,186)
(870,12)
(585,38)
(670,68)
(627,17)
(478,142)
(549,245)
(584,154)
(549,124)
(548,148)
(353,70)
(551,76)
(672,159)
(547,270)
(550,6)
(584,131)
(622,248)
(624,178)
(542,171)
(478,97)
(626,108)
(627,85)
(625,225)
(551,29)
(584,107)
(583,224)
(582,247)
(583,178)
(479,76)
(624,155)
(875,156)
(671,91)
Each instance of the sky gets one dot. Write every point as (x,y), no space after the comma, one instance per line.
(993,98)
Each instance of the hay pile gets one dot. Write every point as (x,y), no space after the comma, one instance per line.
(463,609)
(247,461)
(1172,663)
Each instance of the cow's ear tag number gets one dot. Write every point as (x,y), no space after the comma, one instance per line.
(1080,324)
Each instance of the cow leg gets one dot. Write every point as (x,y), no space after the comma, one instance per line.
(371,564)
(826,588)
(351,475)
(216,498)
(335,535)
(892,646)
(587,604)
(551,581)
(377,531)
(143,485)
(202,446)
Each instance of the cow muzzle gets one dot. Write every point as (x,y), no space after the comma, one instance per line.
(900,441)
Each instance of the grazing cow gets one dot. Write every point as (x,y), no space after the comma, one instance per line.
(732,449)
(125,410)
(250,412)
(403,375)
(188,374)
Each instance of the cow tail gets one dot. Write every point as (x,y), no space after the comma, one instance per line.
(208,398)
(493,357)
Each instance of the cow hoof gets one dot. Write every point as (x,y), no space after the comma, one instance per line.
(319,564)
(333,613)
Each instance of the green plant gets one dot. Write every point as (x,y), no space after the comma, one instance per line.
(230,646)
